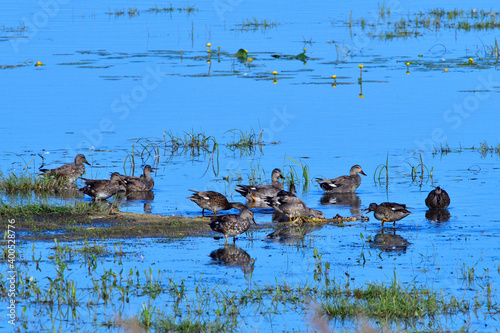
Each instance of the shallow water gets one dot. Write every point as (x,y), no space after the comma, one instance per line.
(109,80)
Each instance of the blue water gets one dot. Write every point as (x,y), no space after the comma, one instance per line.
(107,80)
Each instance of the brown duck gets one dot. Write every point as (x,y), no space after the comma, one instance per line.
(389,212)
(232,225)
(102,189)
(70,172)
(139,184)
(213,201)
(343,184)
(437,199)
(261,192)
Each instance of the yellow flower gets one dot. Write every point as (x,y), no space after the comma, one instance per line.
(275,73)
(471,61)
(408,72)
(304,49)
(446,69)
(38,63)
(209,51)
(334,76)
(250,59)
(209,44)
(360,66)
(361,96)
(407,64)
(275,81)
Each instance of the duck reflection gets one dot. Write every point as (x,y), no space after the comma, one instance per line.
(389,242)
(145,196)
(437,215)
(233,256)
(350,200)
(291,234)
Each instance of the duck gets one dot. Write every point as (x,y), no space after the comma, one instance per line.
(139,184)
(232,225)
(290,193)
(343,184)
(213,201)
(437,199)
(261,192)
(389,212)
(103,189)
(70,172)
(292,207)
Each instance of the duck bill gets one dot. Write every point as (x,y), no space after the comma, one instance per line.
(86,162)
(253,221)
(361,172)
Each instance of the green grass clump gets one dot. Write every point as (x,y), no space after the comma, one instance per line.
(25,183)
(78,207)
(245,141)
(391,302)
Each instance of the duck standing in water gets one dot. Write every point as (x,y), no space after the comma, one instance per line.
(389,212)
(102,189)
(70,172)
(343,184)
(139,184)
(261,192)
(213,201)
(437,199)
(232,225)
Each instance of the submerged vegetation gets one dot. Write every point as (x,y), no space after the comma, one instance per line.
(196,304)
(131,12)
(387,26)
(255,24)
(483,149)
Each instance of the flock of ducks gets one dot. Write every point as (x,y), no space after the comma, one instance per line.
(283,202)
(101,189)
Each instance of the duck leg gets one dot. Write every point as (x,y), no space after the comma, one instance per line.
(384,220)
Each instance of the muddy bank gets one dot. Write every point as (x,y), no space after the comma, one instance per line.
(68,227)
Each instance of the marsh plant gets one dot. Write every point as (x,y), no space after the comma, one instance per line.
(256,23)
(25,183)
(201,305)
(415,25)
